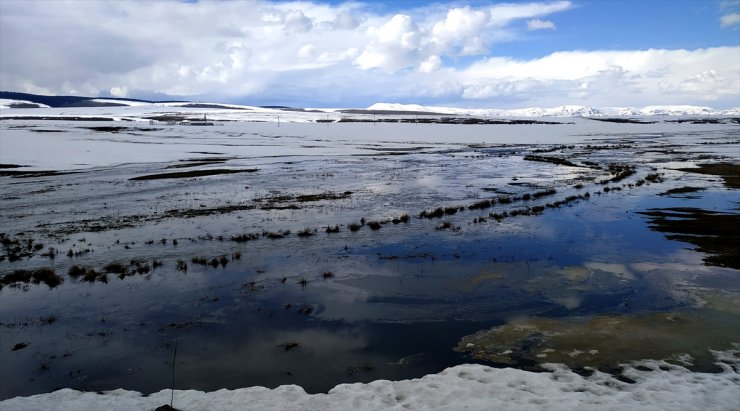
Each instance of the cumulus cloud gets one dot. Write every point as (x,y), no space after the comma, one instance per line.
(537,24)
(346,21)
(461,30)
(432,63)
(297,22)
(119,91)
(730,20)
(670,75)
(393,45)
(335,54)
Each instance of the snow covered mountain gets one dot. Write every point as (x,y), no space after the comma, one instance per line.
(562,111)
(14,100)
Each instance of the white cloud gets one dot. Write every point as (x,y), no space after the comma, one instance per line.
(504,13)
(393,45)
(119,91)
(346,21)
(431,64)
(612,77)
(307,51)
(335,54)
(462,30)
(537,24)
(297,22)
(730,20)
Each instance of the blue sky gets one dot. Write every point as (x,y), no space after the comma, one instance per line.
(352,54)
(632,25)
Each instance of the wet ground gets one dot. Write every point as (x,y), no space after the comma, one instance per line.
(322,254)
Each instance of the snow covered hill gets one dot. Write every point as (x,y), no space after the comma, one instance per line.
(13,103)
(561,111)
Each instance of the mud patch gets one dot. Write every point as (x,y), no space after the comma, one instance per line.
(682,190)
(607,341)
(192,173)
(30,174)
(197,163)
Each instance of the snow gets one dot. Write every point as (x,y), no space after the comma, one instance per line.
(77,147)
(562,111)
(122,102)
(658,386)
(140,111)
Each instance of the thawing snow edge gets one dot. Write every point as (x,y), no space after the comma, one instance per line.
(658,385)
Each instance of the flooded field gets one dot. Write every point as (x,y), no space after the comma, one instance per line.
(317,254)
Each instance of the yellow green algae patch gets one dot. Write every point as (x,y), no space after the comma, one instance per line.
(606,341)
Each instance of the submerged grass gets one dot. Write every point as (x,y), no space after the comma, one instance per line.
(730,173)
(715,233)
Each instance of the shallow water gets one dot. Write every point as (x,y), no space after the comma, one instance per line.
(398,299)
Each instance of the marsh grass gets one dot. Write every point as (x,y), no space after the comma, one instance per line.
(374,225)
(444,226)
(303,282)
(436,213)
(181,266)
(199,260)
(654,178)
(243,238)
(401,219)
(117,268)
(306,232)
(331,230)
(276,235)
(42,275)
(289,346)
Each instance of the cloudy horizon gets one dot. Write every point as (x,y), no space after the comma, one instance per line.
(352,54)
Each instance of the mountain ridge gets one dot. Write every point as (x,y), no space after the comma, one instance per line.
(10,99)
(562,111)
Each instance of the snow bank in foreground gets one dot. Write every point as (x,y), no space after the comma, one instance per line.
(658,386)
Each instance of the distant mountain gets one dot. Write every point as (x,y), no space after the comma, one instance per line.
(13,103)
(10,99)
(69,101)
(561,111)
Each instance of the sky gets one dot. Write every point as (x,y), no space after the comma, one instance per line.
(483,54)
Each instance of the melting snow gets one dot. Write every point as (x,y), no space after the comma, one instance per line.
(658,386)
